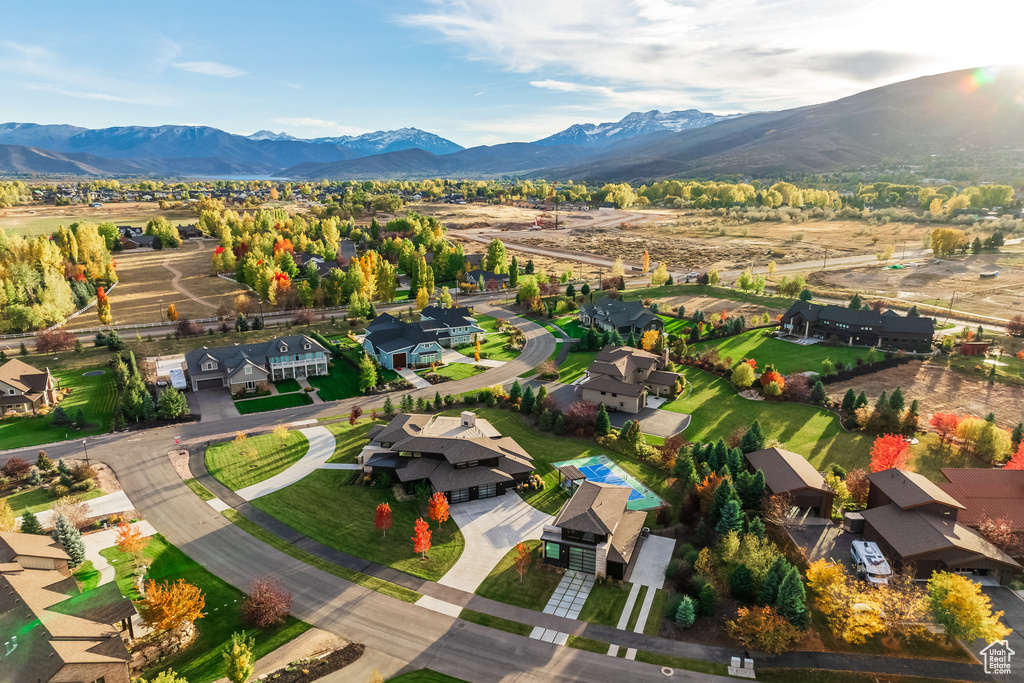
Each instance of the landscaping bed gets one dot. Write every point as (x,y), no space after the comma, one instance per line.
(238,464)
(493,347)
(314,668)
(261,405)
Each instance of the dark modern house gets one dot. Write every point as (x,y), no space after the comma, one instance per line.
(864,327)
(914,521)
(485,279)
(464,457)
(789,473)
(594,533)
(250,367)
(625,316)
(621,377)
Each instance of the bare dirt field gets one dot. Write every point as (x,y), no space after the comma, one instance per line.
(941,390)
(44,219)
(713,305)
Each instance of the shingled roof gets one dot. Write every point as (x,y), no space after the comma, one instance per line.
(594,508)
(910,489)
(994,493)
(23,376)
(890,321)
(620,313)
(786,471)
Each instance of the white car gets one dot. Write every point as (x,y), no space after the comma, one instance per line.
(692,275)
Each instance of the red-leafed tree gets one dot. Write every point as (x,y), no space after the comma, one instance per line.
(945,425)
(523,560)
(1017,461)
(421,539)
(268,604)
(888,452)
(770,376)
(382,520)
(437,508)
(354,416)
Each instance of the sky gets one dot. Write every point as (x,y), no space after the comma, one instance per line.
(473,71)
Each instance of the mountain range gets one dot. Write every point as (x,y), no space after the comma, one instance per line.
(950,117)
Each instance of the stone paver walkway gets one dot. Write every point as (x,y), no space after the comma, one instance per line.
(101,540)
(567,601)
(110,504)
(321,448)
(417,381)
(315,395)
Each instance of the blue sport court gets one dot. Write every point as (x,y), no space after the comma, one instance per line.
(603,470)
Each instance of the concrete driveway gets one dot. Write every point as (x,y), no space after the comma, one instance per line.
(491,528)
(214,404)
(1012,606)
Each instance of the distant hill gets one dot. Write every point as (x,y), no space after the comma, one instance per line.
(378,142)
(632,125)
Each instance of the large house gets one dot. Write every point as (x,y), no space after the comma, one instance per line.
(452,325)
(53,632)
(24,389)
(987,493)
(789,473)
(398,344)
(864,327)
(621,377)
(249,367)
(485,279)
(914,521)
(628,317)
(464,457)
(594,533)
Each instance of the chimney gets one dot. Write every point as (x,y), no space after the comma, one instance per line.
(468,419)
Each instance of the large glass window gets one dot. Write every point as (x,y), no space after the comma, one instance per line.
(552,551)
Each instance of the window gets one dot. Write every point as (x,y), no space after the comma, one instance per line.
(207,366)
(296,356)
(250,385)
(248,369)
(307,346)
(10,392)
(552,551)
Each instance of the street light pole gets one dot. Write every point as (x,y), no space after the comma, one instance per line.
(262,320)
(161,305)
(86,453)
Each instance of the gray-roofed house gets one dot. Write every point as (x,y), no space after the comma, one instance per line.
(485,279)
(452,325)
(595,533)
(464,457)
(23,388)
(248,367)
(786,472)
(628,317)
(864,327)
(397,344)
(621,378)
(914,521)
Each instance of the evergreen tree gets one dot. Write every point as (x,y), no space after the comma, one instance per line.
(741,584)
(753,440)
(559,424)
(734,462)
(1018,435)
(792,600)
(706,600)
(616,339)
(896,401)
(913,312)
(684,471)
(515,391)
(755,527)
(849,398)
(685,613)
(632,339)
(990,418)
(724,494)
(407,404)
(602,423)
(570,291)
(528,401)
(389,408)
(731,518)
(818,393)
(513,273)
(31,525)
(862,400)
(239,659)
(805,295)
(437,400)
(756,490)
(538,406)
(855,303)
(59,418)
(70,540)
(882,403)
(773,580)
(719,456)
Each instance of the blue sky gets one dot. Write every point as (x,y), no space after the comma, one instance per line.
(474,71)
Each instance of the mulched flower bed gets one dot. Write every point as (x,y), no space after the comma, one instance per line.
(309,670)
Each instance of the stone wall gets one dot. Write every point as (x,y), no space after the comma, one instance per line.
(149,651)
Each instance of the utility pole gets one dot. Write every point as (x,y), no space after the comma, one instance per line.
(826,259)
(86,453)
(904,250)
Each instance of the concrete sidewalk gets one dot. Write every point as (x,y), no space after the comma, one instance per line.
(414,379)
(109,504)
(101,540)
(321,448)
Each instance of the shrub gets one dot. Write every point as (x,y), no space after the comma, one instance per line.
(267,604)
(16,468)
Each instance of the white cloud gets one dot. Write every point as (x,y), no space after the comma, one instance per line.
(210,69)
(309,127)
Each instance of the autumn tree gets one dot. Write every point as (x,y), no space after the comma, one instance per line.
(422,298)
(7,519)
(849,610)
(281,433)
(1017,461)
(268,603)
(763,628)
(103,306)
(355,414)
(1001,534)
(945,425)
(660,275)
(131,541)
(646,263)
(167,606)
(958,604)
(857,485)
(649,340)
(382,519)
(172,313)
(476,352)
(437,508)
(522,560)
(421,539)
(889,451)
(239,660)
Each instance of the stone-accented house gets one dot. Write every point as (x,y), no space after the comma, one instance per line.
(25,389)
(914,521)
(453,325)
(628,317)
(397,344)
(594,533)
(250,367)
(786,472)
(864,327)
(463,457)
(621,378)
(54,633)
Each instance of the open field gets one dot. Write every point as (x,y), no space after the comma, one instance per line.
(238,464)
(44,219)
(788,358)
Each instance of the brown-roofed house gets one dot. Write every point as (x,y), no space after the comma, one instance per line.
(463,457)
(25,389)
(914,521)
(621,377)
(594,533)
(788,472)
(993,493)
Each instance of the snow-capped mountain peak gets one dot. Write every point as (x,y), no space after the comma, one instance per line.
(631,125)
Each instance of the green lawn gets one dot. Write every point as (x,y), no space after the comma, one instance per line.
(588,644)
(576,363)
(262,405)
(228,465)
(503,584)
(675,325)
(199,489)
(348,439)
(489,621)
(341,382)
(87,576)
(40,499)
(326,508)
(571,326)
(94,396)
(657,611)
(203,661)
(424,676)
(788,358)
(605,603)
(455,371)
(492,346)
(286,386)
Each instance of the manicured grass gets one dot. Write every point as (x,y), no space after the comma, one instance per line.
(537,586)
(324,507)
(787,358)
(366,581)
(588,644)
(455,371)
(576,363)
(94,396)
(342,381)
(87,575)
(199,489)
(40,499)
(675,325)
(605,603)
(286,386)
(717,411)
(683,663)
(635,614)
(492,346)
(489,621)
(231,467)
(262,405)
(202,661)
(571,326)
(657,609)
(424,676)
(348,439)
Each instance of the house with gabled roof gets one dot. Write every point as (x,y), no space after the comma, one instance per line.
(25,389)
(621,377)
(628,317)
(863,327)
(452,325)
(397,344)
(788,473)
(250,367)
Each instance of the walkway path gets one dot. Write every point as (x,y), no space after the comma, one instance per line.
(101,540)
(315,395)
(453,356)
(567,601)
(175,283)
(414,379)
(321,448)
(109,504)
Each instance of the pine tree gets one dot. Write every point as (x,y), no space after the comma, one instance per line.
(407,404)
(773,580)
(528,400)
(706,600)
(31,525)
(792,600)
(632,339)
(741,584)
(515,391)
(755,527)
(1018,435)
(849,398)
(70,540)
(735,462)
(602,423)
(731,518)
(437,400)
(818,393)
(616,338)
(538,406)
(719,456)
(755,491)
(862,400)
(753,439)
(855,303)
(239,659)
(724,494)
(896,401)
(559,425)
(685,472)
(685,613)
(389,408)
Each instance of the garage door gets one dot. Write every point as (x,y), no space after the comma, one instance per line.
(582,560)
(215,383)
(398,360)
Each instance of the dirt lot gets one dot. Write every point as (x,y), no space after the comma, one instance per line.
(711,305)
(941,390)
(42,219)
